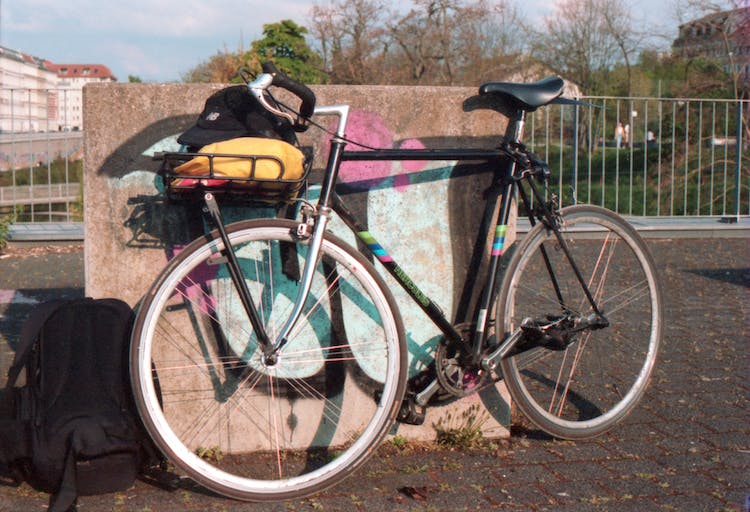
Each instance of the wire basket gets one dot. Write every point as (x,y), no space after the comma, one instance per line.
(267,178)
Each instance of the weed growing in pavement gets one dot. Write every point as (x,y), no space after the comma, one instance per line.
(463,431)
(399,441)
(213,454)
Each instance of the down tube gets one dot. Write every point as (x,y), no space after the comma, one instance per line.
(432,310)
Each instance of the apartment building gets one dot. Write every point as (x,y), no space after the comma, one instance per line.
(70,81)
(37,95)
(723,36)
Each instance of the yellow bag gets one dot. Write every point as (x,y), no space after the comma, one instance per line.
(267,159)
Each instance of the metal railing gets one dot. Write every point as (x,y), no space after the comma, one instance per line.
(674,157)
(648,157)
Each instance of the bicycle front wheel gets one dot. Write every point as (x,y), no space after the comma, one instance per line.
(592,378)
(252,429)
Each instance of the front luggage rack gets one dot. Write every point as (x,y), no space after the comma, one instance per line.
(181,186)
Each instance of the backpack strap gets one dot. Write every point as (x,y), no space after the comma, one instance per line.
(65,496)
(29,335)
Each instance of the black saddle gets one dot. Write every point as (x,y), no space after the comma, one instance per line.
(525,96)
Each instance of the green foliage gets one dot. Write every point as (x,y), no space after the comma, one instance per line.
(284,43)
(5,223)
(651,180)
(672,76)
(399,442)
(58,171)
(213,454)
(463,431)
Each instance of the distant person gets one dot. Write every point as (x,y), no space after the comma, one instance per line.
(650,139)
(619,132)
(627,135)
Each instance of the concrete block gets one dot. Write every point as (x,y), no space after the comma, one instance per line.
(425,213)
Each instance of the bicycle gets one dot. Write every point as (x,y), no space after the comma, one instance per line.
(268,358)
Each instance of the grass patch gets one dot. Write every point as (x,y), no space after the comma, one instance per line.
(463,431)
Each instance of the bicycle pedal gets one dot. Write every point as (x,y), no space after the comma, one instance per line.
(410,413)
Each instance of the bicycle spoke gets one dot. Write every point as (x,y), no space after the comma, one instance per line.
(250,426)
(596,380)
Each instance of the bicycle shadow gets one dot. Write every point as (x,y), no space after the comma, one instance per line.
(737,276)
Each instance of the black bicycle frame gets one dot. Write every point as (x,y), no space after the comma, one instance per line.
(501,188)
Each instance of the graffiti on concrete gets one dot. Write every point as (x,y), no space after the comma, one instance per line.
(424,214)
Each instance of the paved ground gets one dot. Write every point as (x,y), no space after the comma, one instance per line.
(685,448)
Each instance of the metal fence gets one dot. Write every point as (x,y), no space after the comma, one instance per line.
(671,157)
(40,176)
(648,157)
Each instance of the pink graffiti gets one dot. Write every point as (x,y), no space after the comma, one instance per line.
(194,287)
(370,129)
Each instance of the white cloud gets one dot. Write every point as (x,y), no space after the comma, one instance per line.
(162,18)
(154,39)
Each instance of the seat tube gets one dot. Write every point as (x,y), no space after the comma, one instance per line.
(514,133)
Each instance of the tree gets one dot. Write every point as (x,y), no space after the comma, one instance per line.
(723,32)
(444,42)
(284,43)
(447,42)
(352,40)
(584,40)
(220,68)
(501,45)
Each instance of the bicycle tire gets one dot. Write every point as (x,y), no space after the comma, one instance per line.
(587,388)
(250,430)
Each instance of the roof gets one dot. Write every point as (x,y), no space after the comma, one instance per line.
(91,71)
(732,20)
(96,71)
(9,53)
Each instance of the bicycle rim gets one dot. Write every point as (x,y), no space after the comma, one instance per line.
(596,381)
(254,431)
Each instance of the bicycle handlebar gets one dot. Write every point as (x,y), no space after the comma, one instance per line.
(272,76)
(299,89)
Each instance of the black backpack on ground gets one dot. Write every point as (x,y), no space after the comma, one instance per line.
(72,428)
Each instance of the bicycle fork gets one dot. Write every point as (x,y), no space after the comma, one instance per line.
(269,347)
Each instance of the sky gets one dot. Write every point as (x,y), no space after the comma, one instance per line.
(160,40)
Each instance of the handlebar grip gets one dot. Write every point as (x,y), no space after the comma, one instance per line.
(299,89)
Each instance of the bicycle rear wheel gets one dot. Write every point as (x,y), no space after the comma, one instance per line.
(588,387)
(237,424)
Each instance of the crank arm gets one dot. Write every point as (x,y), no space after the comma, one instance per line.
(490,362)
(424,396)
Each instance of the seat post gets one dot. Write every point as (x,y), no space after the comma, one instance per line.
(516,123)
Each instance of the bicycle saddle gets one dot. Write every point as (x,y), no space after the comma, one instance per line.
(527,97)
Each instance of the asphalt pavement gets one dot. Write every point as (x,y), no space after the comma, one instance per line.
(685,448)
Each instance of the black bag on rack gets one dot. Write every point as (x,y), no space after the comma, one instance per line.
(231,113)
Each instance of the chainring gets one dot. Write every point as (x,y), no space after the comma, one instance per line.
(456,378)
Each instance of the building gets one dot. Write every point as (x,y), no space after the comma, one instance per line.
(26,88)
(39,96)
(71,79)
(723,36)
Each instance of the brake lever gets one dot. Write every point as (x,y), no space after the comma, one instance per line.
(258,87)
